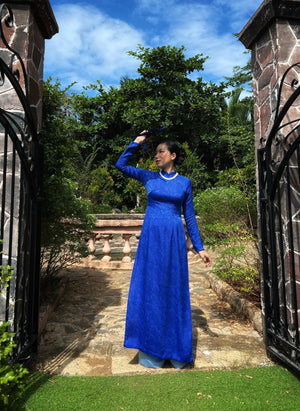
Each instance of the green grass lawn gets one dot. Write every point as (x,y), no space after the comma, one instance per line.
(255,389)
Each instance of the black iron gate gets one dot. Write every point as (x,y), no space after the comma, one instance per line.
(279,208)
(20,174)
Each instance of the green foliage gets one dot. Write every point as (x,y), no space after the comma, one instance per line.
(101,190)
(243,179)
(239,143)
(5,276)
(163,94)
(65,216)
(225,205)
(195,169)
(13,377)
(224,223)
(238,263)
(241,75)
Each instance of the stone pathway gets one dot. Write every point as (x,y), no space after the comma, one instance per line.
(84,335)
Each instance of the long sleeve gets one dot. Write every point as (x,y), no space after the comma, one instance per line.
(190,219)
(133,172)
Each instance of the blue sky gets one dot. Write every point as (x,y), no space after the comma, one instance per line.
(95,35)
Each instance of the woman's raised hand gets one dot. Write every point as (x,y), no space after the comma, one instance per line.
(140,139)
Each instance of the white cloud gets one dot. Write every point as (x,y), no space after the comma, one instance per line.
(199,28)
(90,45)
(93,46)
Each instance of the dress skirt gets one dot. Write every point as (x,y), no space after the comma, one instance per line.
(158,318)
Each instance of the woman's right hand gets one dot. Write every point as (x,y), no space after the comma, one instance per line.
(140,139)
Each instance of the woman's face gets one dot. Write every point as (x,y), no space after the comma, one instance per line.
(163,158)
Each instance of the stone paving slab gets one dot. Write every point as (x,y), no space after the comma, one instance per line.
(84,335)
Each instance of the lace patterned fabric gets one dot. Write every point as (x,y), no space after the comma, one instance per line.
(158,320)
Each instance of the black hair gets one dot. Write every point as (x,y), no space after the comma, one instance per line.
(175,148)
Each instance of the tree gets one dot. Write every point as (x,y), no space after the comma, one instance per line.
(238,140)
(242,76)
(163,94)
(65,216)
(197,115)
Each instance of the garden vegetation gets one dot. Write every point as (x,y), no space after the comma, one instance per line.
(13,376)
(84,134)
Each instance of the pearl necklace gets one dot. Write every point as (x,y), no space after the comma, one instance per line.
(168,178)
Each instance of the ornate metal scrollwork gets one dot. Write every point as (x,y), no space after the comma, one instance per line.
(7,20)
(19,122)
(281,110)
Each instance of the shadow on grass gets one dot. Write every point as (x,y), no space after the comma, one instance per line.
(36,381)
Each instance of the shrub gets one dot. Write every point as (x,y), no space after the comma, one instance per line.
(222,212)
(65,229)
(224,223)
(223,204)
(13,377)
(194,169)
(238,264)
(101,191)
(65,215)
(244,180)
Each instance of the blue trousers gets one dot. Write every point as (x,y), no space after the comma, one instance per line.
(149,361)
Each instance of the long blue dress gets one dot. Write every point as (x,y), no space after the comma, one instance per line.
(158,318)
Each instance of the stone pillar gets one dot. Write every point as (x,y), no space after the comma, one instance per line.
(273,35)
(34,22)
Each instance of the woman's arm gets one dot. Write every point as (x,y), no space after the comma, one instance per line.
(192,227)
(122,163)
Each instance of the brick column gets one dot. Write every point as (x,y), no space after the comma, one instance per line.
(273,35)
(34,22)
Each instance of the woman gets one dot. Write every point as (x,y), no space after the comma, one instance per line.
(158,321)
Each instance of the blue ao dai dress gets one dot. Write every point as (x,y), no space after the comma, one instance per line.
(158,320)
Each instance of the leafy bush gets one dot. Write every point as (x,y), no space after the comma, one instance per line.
(194,169)
(224,217)
(13,377)
(65,215)
(238,264)
(65,229)
(221,204)
(101,191)
(222,212)
(243,179)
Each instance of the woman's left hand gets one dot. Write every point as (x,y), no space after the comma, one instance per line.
(205,258)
